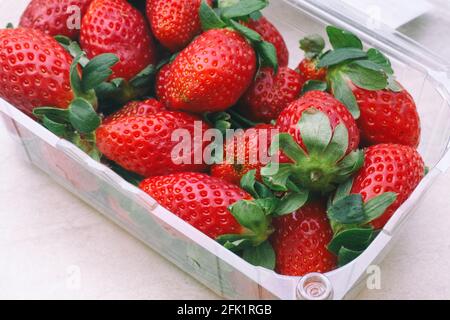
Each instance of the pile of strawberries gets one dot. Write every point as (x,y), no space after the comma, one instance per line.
(338,135)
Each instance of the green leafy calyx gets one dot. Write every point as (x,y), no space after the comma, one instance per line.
(117,90)
(230,14)
(350,218)
(256,217)
(322,164)
(348,63)
(78,122)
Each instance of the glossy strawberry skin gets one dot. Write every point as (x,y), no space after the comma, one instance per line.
(137,108)
(161,82)
(144,145)
(270,94)
(337,113)
(389,168)
(308,71)
(387,117)
(211,74)
(174,22)
(254,139)
(300,242)
(52,16)
(198,199)
(34,70)
(114,26)
(271,34)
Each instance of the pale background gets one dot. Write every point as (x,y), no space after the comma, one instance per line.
(52,245)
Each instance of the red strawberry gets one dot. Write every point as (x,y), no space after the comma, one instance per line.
(199,199)
(326,103)
(174,22)
(313,46)
(114,26)
(211,74)
(144,144)
(137,108)
(247,149)
(387,117)
(270,94)
(308,71)
(300,242)
(389,168)
(271,34)
(55,17)
(34,70)
(321,138)
(366,83)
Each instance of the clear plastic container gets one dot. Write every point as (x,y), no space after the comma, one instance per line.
(422,73)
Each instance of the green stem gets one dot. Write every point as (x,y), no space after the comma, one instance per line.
(241,118)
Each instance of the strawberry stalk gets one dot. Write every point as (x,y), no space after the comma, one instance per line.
(350,219)
(229,14)
(349,63)
(73,47)
(78,122)
(322,165)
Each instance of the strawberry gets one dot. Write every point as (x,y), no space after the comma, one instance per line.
(313,47)
(174,22)
(247,150)
(55,17)
(199,199)
(308,71)
(137,108)
(221,210)
(214,71)
(300,242)
(321,138)
(389,168)
(387,117)
(363,205)
(324,102)
(39,77)
(114,26)
(271,34)
(364,81)
(270,94)
(144,144)
(34,70)
(211,74)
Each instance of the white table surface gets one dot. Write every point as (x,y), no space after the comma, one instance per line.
(54,246)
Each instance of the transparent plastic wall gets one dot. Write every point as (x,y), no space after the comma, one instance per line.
(204,259)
